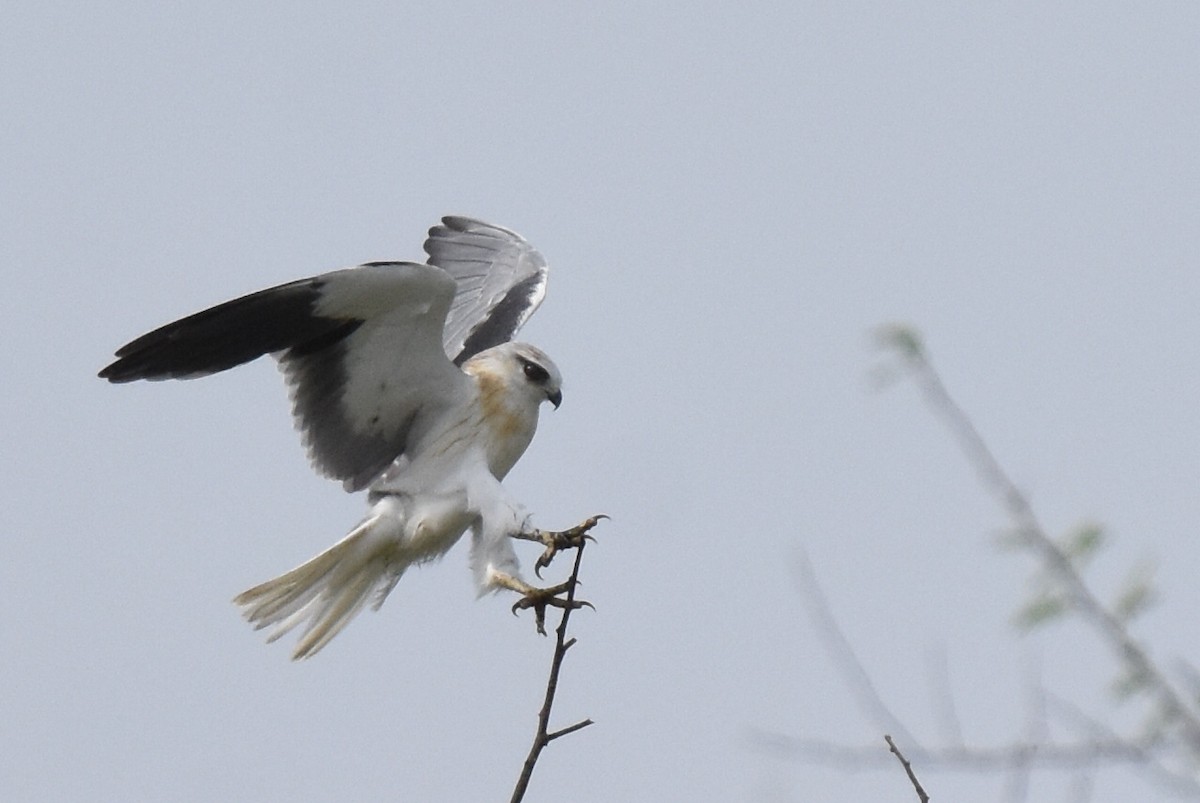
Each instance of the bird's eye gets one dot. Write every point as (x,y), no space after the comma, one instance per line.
(535,372)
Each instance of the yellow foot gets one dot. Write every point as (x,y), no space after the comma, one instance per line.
(556,541)
(539,598)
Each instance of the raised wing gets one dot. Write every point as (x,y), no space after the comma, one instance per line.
(501,281)
(361,349)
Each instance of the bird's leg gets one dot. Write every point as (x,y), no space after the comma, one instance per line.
(537,598)
(555,541)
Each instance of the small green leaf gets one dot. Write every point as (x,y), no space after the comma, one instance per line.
(1041,610)
(901,338)
(1083,542)
(1138,594)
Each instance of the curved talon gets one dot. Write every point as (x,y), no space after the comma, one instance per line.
(541,598)
(558,541)
(553,548)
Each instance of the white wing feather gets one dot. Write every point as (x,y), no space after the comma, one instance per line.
(501,281)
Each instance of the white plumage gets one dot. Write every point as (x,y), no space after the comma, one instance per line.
(403,382)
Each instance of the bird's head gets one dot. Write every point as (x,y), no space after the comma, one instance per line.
(527,374)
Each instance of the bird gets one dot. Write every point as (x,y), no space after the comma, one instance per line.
(404,382)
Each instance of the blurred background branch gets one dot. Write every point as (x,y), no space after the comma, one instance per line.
(1166,750)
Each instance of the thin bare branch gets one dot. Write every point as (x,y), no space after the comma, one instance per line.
(1004,757)
(543,736)
(550,737)
(1037,731)
(942,695)
(912,776)
(1181,782)
(838,647)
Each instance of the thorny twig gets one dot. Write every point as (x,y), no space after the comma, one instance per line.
(544,736)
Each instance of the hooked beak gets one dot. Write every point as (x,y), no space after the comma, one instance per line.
(555,398)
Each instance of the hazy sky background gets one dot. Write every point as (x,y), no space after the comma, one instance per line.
(731,197)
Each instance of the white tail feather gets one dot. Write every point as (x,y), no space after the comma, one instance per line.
(330,589)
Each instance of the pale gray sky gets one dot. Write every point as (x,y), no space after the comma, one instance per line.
(731,196)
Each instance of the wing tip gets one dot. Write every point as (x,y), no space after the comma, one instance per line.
(120,372)
(464,224)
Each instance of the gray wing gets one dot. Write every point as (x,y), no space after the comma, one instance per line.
(501,280)
(361,349)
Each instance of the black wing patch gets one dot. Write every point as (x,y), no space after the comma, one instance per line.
(316,378)
(233,333)
(503,320)
(322,329)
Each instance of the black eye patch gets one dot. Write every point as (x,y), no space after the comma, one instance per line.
(534,372)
